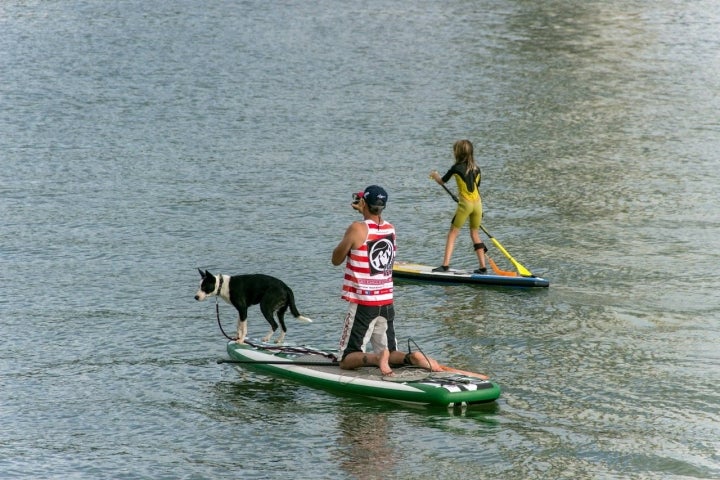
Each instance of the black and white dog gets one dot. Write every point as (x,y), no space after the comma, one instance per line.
(242,291)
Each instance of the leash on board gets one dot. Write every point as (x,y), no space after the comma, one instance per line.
(279,348)
(407,357)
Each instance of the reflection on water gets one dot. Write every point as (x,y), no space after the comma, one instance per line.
(366,446)
(371,443)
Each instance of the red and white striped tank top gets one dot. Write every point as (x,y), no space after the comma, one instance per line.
(368,270)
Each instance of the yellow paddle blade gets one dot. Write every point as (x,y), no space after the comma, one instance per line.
(522,270)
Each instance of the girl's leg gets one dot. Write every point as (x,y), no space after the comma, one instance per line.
(450,245)
(479,247)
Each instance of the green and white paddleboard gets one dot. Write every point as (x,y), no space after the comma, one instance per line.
(319,369)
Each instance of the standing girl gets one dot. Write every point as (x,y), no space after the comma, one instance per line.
(467,176)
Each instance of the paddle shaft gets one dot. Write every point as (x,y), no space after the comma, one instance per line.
(463,372)
(454,197)
(444,368)
(335,364)
(279,362)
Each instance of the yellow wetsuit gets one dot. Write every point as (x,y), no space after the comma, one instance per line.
(470,204)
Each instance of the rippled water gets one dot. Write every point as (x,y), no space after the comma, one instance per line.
(141,140)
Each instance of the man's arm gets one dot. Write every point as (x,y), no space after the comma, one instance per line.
(352,239)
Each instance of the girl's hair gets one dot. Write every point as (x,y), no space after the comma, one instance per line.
(463,151)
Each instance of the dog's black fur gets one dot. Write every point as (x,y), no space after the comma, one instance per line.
(242,291)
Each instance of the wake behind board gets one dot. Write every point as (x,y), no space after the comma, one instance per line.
(410,385)
(416,271)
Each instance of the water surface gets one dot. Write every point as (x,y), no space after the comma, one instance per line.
(142,140)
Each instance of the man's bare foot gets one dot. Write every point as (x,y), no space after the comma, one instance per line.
(384,363)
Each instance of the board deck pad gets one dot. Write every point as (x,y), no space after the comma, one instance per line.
(420,272)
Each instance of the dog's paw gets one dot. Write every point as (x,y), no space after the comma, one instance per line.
(240,341)
(266,338)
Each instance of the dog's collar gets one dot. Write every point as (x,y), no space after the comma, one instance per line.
(219,285)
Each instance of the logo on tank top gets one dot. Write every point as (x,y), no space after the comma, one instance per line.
(381,255)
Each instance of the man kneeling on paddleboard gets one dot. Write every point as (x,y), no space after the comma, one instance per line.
(368,249)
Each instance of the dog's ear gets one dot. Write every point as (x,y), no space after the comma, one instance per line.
(208,274)
(201,273)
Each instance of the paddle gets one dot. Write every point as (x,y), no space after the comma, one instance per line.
(444,368)
(278,362)
(521,269)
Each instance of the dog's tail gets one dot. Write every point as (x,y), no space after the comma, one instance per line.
(293,308)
